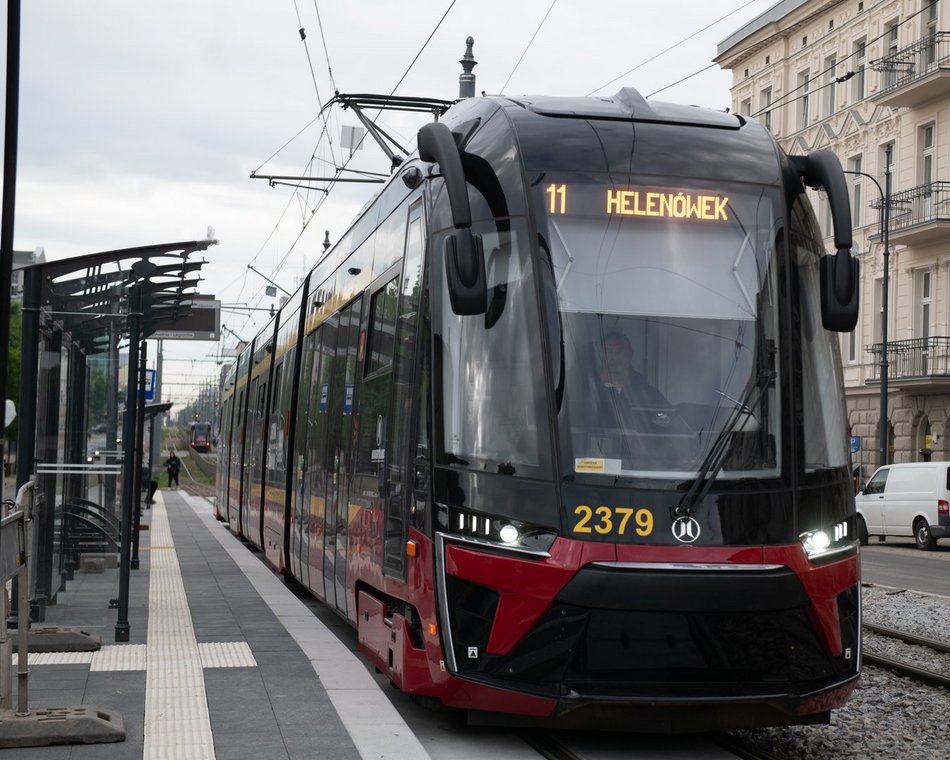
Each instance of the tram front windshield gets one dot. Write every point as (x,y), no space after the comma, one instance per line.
(666,302)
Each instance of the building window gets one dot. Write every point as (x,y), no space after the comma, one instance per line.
(803,99)
(891,41)
(857,194)
(804,40)
(768,60)
(929,30)
(926,140)
(765,107)
(924,304)
(831,63)
(859,51)
(745,108)
(924,313)
(925,137)
(850,346)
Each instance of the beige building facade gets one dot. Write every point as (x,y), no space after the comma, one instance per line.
(869,80)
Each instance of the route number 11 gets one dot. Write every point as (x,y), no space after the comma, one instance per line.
(558,198)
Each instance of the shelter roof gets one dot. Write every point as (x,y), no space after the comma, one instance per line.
(90,294)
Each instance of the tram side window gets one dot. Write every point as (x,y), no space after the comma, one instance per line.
(383,328)
(400,496)
(275,435)
(824,433)
(374,390)
(237,440)
(491,409)
(259,428)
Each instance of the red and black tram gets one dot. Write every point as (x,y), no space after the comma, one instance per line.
(431,434)
(201,436)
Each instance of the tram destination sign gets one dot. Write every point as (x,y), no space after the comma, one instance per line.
(662,203)
(201,321)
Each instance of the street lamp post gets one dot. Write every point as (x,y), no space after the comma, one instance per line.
(885,227)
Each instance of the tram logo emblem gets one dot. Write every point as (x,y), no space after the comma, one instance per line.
(686,529)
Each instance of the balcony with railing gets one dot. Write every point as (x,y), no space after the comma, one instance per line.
(917,73)
(917,361)
(920,215)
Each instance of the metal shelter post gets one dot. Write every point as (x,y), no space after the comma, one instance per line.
(129,478)
(29,378)
(139,453)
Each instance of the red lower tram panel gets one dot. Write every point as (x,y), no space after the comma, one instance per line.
(659,639)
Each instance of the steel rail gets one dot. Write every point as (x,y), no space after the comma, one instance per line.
(900,667)
(908,638)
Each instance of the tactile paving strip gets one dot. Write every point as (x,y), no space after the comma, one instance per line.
(127,657)
(228,654)
(177,722)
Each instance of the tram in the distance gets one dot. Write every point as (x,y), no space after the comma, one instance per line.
(201,436)
(557,424)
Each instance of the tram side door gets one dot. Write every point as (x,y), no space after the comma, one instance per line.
(404,469)
(306,424)
(338,453)
(250,456)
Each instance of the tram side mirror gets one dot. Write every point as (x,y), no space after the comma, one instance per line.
(839,291)
(465,273)
(464,258)
(839,273)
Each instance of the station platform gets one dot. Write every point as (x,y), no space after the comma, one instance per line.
(224,660)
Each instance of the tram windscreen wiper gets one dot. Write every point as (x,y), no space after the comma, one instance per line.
(715,459)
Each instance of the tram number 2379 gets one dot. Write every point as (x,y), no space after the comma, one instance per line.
(615,521)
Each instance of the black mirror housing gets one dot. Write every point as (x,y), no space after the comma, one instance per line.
(837,314)
(465,273)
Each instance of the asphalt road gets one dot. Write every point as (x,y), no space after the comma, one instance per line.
(901,564)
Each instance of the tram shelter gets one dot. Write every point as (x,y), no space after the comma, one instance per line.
(78,315)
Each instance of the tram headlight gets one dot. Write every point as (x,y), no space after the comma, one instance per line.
(815,541)
(826,544)
(492,530)
(508,533)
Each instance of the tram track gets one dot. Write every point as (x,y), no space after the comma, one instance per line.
(178,442)
(604,746)
(901,666)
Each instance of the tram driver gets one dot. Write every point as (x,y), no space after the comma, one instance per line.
(631,388)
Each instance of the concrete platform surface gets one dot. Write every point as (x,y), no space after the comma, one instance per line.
(223,660)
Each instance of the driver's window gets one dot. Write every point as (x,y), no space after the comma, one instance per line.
(876,483)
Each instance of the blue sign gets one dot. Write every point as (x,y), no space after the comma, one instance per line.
(855,444)
(348,398)
(150,385)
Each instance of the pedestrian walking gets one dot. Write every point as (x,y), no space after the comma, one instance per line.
(172,465)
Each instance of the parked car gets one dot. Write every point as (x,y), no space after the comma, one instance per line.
(910,499)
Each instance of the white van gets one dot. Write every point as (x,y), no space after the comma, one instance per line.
(906,500)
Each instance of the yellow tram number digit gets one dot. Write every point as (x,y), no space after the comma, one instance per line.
(585,513)
(625,513)
(606,524)
(558,197)
(644,520)
(611,521)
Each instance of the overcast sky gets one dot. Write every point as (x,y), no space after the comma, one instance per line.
(141,122)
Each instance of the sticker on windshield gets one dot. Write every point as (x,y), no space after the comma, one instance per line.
(593,464)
